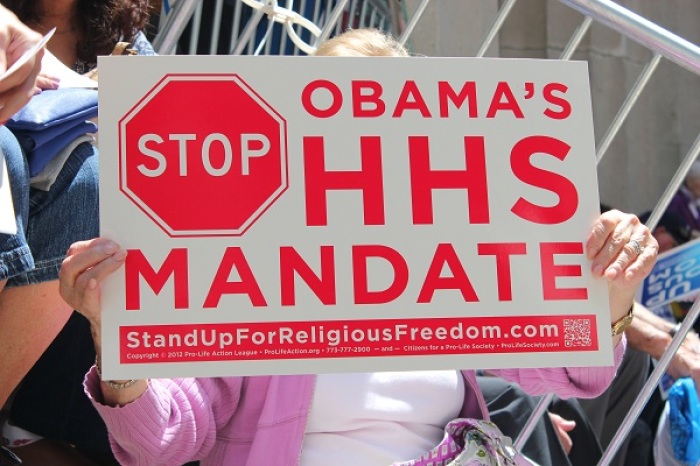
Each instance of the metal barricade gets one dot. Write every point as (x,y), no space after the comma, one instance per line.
(211,27)
(249,35)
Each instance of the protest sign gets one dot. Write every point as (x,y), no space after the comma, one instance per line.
(675,277)
(312,214)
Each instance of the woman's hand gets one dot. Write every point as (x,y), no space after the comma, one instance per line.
(622,251)
(46,81)
(686,362)
(86,265)
(611,246)
(15,39)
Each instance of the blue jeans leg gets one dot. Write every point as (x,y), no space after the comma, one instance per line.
(57,218)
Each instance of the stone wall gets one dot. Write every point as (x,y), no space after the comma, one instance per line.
(663,124)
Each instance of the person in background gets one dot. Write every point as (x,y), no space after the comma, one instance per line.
(686,202)
(671,230)
(310,419)
(31,309)
(86,29)
(37,298)
(62,425)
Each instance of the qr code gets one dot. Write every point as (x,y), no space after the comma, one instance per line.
(577,332)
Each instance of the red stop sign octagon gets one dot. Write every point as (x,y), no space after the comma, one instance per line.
(203,155)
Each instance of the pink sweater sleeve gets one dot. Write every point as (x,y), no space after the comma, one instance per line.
(172,423)
(566,382)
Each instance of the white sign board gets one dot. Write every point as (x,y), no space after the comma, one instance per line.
(306,215)
(8,222)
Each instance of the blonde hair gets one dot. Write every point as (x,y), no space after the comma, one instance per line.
(362,43)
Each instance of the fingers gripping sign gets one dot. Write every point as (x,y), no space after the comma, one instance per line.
(86,265)
(621,248)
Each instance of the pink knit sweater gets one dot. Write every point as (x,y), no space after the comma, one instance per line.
(254,421)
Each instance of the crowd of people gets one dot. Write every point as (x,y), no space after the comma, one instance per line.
(50,275)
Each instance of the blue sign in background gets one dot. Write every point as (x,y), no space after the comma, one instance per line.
(675,276)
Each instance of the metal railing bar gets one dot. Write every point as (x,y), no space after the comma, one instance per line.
(500,19)
(316,15)
(195,23)
(284,36)
(414,20)
(382,6)
(317,9)
(373,17)
(268,43)
(329,10)
(641,30)
(164,11)
(298,28)
(363,13)
(247,33)
(650,384)
(315,18)
(216,27)
(264,41)
(627,105)
(529,461)
(237,12)
(374,20)
(283,32)
(674,184)
(317,12)
(251,42)
(529,426)
(338,27)
(351,13)
(166,40)
(395,13)
(576,39)
(330,23)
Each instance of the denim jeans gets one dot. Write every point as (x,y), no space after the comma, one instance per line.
(48,222)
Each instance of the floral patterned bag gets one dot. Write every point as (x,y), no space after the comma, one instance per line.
(469,442)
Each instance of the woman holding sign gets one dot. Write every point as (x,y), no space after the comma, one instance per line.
(401,418)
